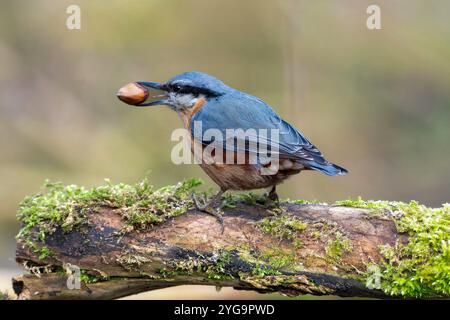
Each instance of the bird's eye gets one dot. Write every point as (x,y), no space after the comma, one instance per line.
(176,88)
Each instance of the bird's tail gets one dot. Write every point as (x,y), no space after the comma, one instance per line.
(329,169)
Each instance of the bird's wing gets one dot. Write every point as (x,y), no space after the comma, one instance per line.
(242,111)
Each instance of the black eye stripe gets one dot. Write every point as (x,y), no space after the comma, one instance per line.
(178,88)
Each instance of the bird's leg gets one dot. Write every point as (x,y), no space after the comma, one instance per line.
(272,196)
(211,207)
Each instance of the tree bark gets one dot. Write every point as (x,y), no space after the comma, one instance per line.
(259,250)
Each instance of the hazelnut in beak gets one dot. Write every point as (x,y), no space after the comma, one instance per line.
(133,93)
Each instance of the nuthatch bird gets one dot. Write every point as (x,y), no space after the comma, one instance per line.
(198,97)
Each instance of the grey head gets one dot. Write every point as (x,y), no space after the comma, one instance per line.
(183,90)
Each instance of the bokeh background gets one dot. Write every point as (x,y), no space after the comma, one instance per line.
(376,102)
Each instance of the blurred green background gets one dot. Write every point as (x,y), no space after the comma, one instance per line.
(376,102)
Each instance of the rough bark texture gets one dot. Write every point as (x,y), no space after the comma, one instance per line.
(190,249)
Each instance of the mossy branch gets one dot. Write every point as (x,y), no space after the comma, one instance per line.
(128,239)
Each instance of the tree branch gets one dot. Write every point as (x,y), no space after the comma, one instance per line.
(298,249)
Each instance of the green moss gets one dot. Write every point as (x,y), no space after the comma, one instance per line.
(230,200)
(218,270)
(219,265)
(360,203)
(303,201)
(283,226)
(268,261)
(421,266)
(316,234)
(166,273)
(338,246)
(278,259)
(260,262)
(90,278)
(378,207)
(214,266)
(67,207)
(41,250)
(262,270)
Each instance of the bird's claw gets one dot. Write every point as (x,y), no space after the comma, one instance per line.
(272,200)
(273,197)
(209,209)
(197,203)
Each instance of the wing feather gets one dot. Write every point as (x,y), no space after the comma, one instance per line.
(238,110)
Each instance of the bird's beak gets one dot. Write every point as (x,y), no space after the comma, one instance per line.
(142,94)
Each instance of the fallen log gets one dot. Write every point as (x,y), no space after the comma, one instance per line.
(124,240)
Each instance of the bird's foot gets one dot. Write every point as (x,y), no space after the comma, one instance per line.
(271,202)
(273,196)
(272,199)
(209,208)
